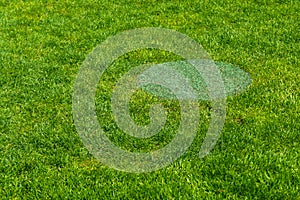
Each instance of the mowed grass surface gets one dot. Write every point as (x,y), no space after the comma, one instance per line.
(42,46)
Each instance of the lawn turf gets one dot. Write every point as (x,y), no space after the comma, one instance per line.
(42,46)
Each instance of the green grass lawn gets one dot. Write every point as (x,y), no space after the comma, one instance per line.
(44,43)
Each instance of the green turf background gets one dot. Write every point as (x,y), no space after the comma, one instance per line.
(42,46)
